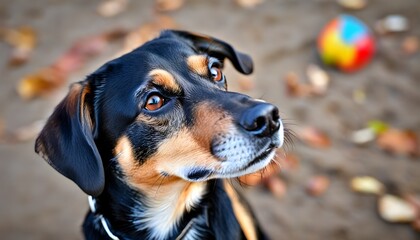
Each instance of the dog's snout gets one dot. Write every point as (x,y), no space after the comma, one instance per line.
(261,120)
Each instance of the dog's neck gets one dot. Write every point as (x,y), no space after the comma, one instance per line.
(160,212)
(163,206)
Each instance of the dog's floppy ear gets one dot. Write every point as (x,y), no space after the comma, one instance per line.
(220,49)
(66,141)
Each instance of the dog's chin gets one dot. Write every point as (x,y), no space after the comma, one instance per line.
(237,167)
(258,163)
(231,170)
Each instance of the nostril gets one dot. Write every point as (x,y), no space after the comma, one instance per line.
(260,123)
(275,114)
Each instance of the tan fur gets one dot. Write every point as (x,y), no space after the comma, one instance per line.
(165,79)
(85,109)
(209,121)
(242,214)
(72,98)
(170,196)
(198,64)
(167,196)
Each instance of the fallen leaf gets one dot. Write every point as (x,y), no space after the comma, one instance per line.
(352,4)
(256,178)
(378,127)
(146,32)
(276,186)
(416,224)
(363,136)
(314,137)
(414,201)
(318,185)
(19,56)
(410,45)
(24,133)
(287,161)
(23,37)
(48,79)
(400,142)
(367,184)
(294,88)
(249,3)
(392,24)
(23,41)
(111,8)
(168,5)
(318,78)
(76,57)
(85,48)
(41,83)
(394,209)
(246,84)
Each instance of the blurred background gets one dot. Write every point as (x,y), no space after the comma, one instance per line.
(353,171)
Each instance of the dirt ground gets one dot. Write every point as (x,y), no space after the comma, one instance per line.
(38,203)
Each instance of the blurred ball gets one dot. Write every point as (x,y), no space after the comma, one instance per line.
(346,43)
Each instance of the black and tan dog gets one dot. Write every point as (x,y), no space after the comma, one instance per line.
(152,135)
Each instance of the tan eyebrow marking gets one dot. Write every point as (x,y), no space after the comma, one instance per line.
(165,79)
(198,64)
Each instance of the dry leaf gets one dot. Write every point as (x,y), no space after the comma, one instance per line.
(395,209)
(318,78)
(414,201)
(19,56)
(23,37)
(392,24)
(287,161)
(416,224)
(294,88)
(111,8)
(146,32)
(410,45)
(352,4)
(256,178)
(75,58)
(40,83)
(314,137)
(23,41)
(318,185)
(70,62)
(252,179)
(27,132)
(168,5)
(246,84)
(363,136)
(48,79)
(24,133)
(400,142)
(378,127)
(248,3)
(276,186)
(367,184)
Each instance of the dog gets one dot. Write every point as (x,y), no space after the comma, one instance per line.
(153,136)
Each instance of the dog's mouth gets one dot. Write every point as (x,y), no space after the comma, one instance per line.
(237,155)
(262,156)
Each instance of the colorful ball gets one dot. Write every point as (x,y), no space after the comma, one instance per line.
(346,43)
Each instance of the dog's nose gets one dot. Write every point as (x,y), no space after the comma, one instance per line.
(261,120)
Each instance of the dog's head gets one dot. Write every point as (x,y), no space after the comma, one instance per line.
(162,110)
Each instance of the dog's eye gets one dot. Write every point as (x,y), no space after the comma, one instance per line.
(216,73)
(154,102)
